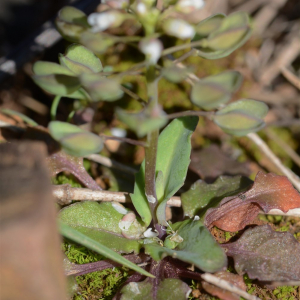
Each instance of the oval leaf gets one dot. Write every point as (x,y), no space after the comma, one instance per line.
(210,24)
(101,223)
(49,68)
(100,88)
(81,60)
(74,140)
(61,85)
(71,22)
(208,95)
(241,117)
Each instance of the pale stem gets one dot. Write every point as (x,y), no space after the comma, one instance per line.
(223,284)
(107,162)
(294,179)
(65,194)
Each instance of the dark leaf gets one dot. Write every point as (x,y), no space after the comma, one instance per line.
(269,191)
(266,255)
(211,162)
(62,162)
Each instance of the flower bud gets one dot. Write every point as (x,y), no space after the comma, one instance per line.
(104,20)
(179,28)
(152,48)
(116,4)
(188,6)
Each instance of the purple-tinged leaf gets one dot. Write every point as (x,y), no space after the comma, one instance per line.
(266,255)
(81,269)
(269,191)
(60,162)
(211,162)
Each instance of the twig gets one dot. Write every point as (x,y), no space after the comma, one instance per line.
(132,94)
(223,284)
(122,139)
(268,152)
(291,77)
(65,194)
(107,162)
(283,145)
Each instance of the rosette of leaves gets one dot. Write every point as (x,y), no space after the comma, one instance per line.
(120,230)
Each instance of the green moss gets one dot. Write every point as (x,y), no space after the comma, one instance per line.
(286,292)
(96,285)
(64,179)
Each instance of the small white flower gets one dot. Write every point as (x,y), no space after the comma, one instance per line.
(179,28)
(141,8)
(197,4)
(152,48)
(102,21)
(149,233)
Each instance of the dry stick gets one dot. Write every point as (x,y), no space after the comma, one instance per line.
(107,162)
(65,194)
(294,179)
(123,139)
(291,77)
(283,145)
(223,284)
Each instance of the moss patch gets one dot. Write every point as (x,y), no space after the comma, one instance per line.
(96,285)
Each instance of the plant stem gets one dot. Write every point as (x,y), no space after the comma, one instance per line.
(181,47)
(190,113)
(54,106)
(151,150)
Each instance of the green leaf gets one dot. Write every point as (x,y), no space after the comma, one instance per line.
(214,90)
(50,68)
(210,24)
(12,113)
(176,74)
(61,85)
(74,140)
(173,158)
(229,80)
(241,117)
(198,247)
(202,196)
(84,240)
(80,60)
(97,42)
(103,222)
(147,120)
(233,32)
(209,95)
(100,88)
(168,289)
(71,23)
